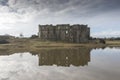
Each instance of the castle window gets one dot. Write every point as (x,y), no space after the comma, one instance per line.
(58,27)
(66,27)
(66,32)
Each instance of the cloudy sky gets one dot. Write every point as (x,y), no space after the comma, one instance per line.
(23,16)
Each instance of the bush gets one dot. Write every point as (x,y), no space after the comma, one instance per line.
(102,41)
(34,36)
(3,42)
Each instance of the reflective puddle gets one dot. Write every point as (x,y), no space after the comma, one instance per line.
(62,64)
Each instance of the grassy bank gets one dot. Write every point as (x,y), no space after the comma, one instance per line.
(36,44)
(113,43)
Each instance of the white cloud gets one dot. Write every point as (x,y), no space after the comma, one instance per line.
(107,33)
(18,16)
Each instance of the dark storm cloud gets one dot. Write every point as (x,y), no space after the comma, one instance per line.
(68,7)
(3,2)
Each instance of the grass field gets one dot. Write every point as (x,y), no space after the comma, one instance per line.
(113,43)
(36,45)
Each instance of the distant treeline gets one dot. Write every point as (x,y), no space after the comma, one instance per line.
(112,38)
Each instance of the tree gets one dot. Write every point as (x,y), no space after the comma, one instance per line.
(21,35)
(34,36)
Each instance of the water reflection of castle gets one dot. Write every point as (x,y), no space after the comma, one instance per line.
(64,57)
(60,57)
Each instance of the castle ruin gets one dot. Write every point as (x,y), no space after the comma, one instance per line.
(65,32)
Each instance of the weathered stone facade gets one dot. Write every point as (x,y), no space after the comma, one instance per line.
(65,32)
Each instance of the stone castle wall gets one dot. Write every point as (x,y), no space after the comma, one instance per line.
(65,32)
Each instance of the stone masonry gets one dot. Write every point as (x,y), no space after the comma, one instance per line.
(64,32)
